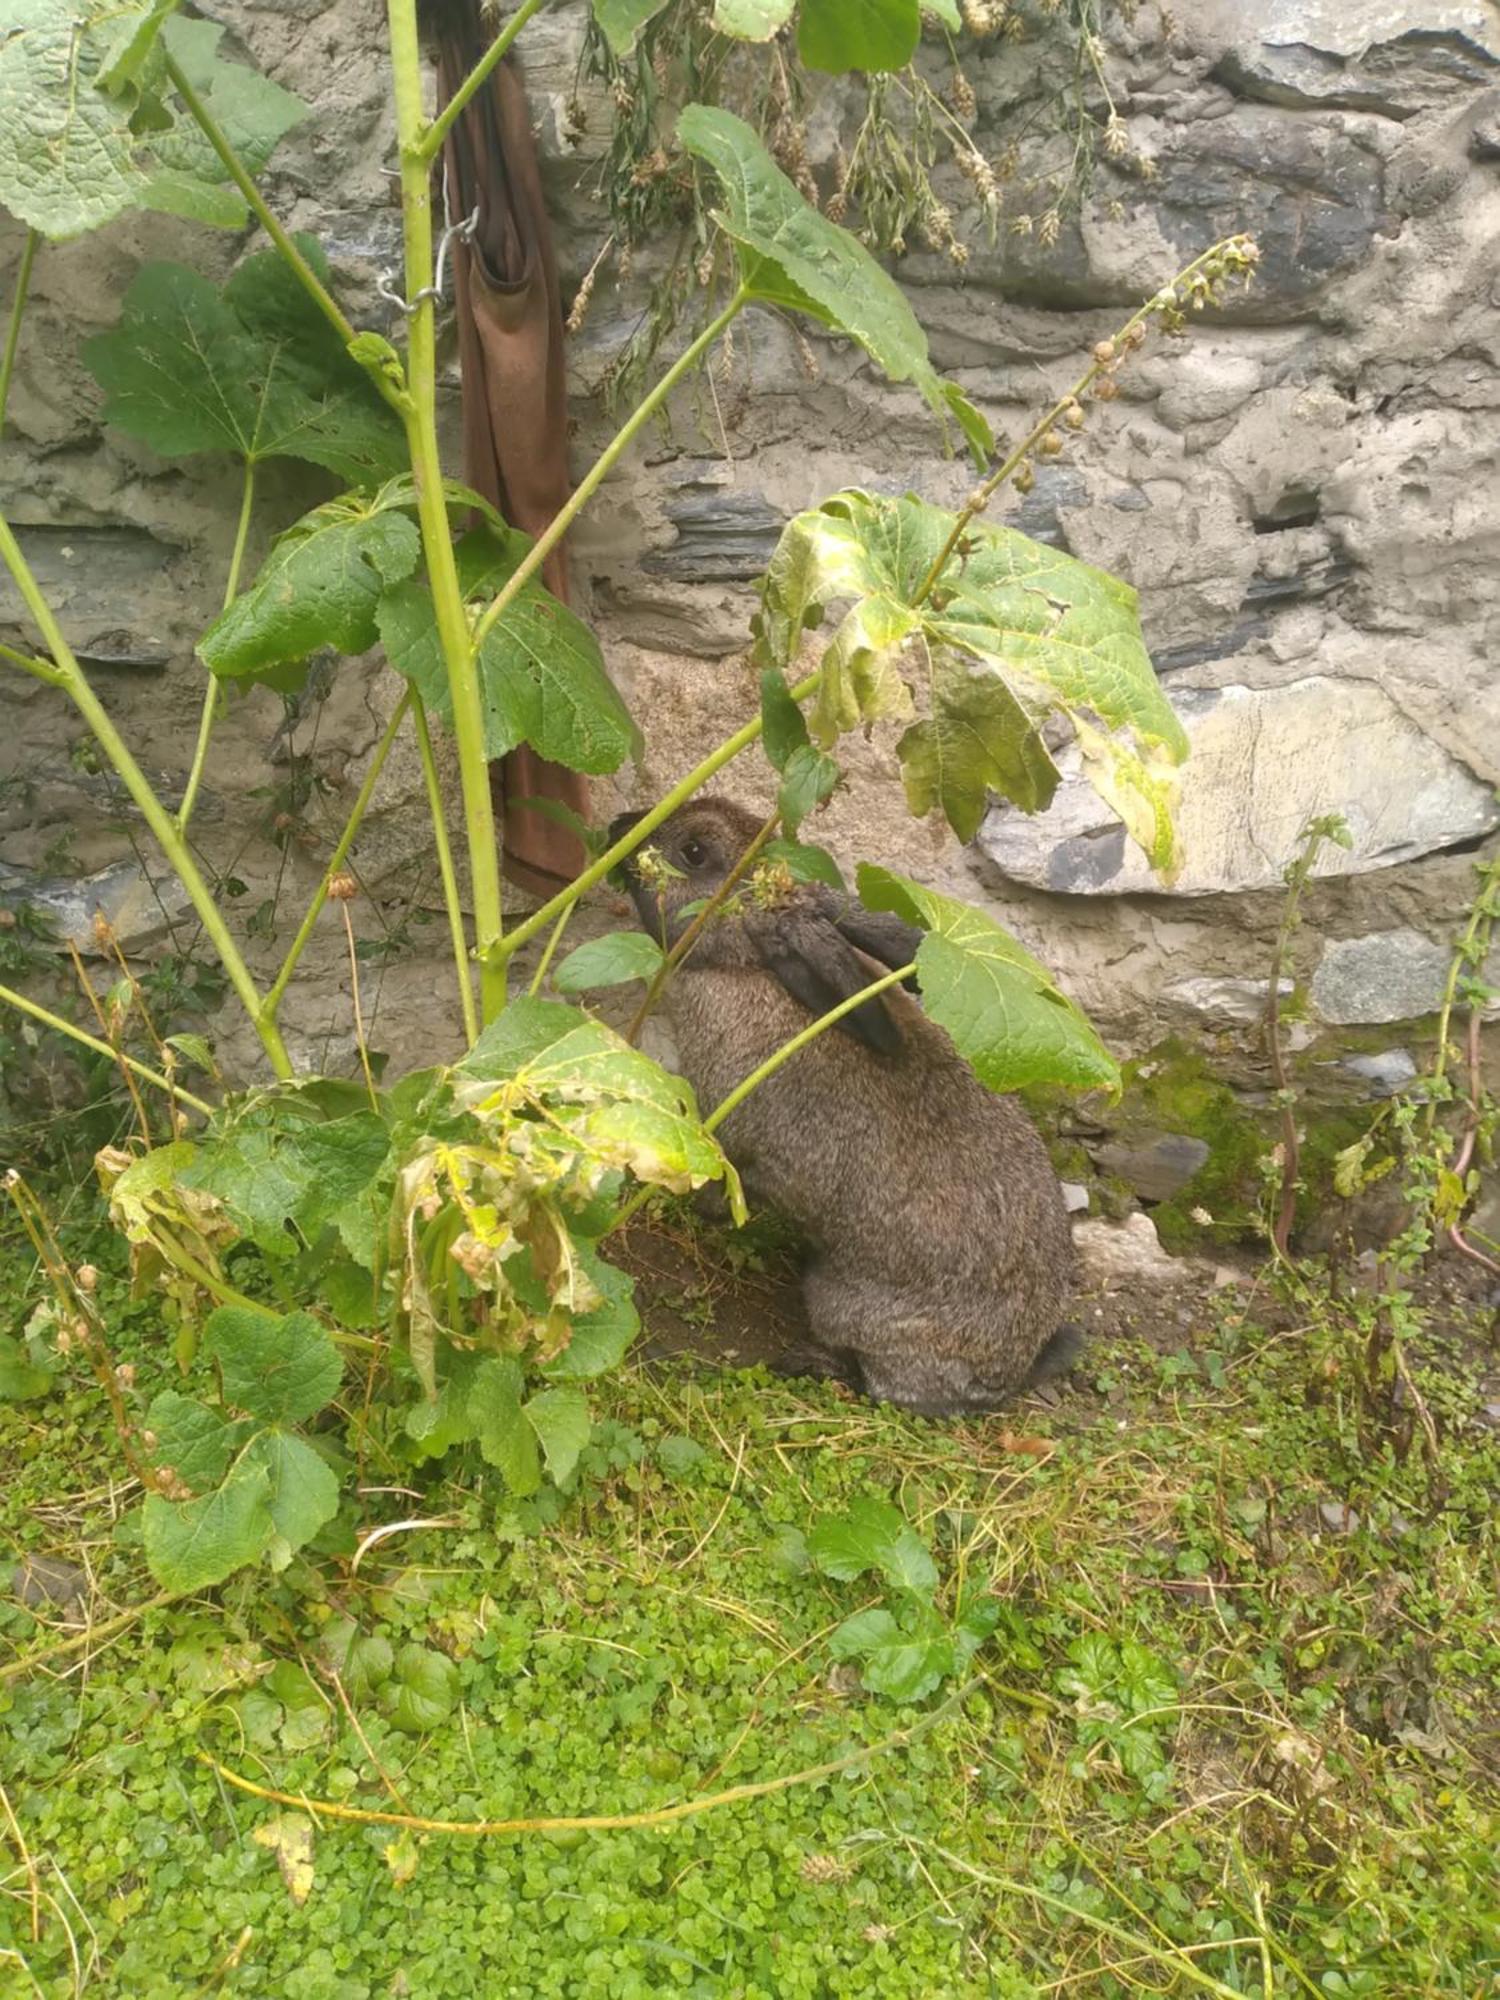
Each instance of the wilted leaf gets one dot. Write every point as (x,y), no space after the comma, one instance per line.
(254,370)
(191,1544)
(793,257)
(609,961)
(560,1418)
(280,1371)
(541,673)
(423,1692)
(402,1856)
(977,740)
(1007,1019)
(873,1535)
(319,586)
(600,1338)
(840,35)
(290,1838)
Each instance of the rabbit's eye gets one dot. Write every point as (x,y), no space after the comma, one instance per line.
(694,853)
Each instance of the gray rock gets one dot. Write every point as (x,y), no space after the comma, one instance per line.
(1226,1003)
(1386,1072)
(1338,1517)
(721,538)
(1154,1165)
(1387,976)
(1364,55)
(1260,769)
(1075,1197)
(41,1581)
(1128,1252)
(86,575)
(139,908)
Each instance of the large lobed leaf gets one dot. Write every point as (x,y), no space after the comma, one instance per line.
(88,128)
(790,256)
(1005,1016)
(1009,632)
(254,369)
(541,674)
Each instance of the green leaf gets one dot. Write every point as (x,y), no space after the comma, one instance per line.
(806,863)
(752,20)
(319,586)
(303,1488)
(191,1439)
(423,1691)
(560,1418)
(255,370)
(1006,1018)
(873,1535)
(1034,630)
(281,1371)
(86,132)
(186,175)
(900,1663)
(506,1441)
(620,21)
(600,1338)
(783,727)
(609,961)
(20,1381)
(840,35)
(541,673)
(274,1165)
(791,256)
(197,1049)
(526,1027)
(809,777)
(977,740)
(191,1544)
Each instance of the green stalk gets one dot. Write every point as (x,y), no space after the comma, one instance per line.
(458,644)
(645,826)
(550,949)
(307,277)
(55,1021)
(337,858)
(42,670)
(164,828)
(432,139)
(213,694)
(445,868)
(787,1050)
(17,313)
(548,540)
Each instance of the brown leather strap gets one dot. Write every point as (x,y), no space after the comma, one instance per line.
(515,413)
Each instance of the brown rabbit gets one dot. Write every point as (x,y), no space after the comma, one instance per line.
(941,1251)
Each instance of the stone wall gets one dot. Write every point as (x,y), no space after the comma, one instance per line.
(1306,494)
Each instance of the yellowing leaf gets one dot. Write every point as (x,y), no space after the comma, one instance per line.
(290,1838)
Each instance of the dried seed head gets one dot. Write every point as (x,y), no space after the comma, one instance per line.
(86,1277)
(961,97)
(1116,139)
(104,932)
(7,920)
(1104,352)
(125,1374)
(1073,416)
(1024,478)
(1049,228)
(342,889)
(1050,445)
(1106,389)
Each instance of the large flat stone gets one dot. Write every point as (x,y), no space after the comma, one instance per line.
(1264,762)
(1385,976)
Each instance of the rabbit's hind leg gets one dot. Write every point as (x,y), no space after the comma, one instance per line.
(830,1364)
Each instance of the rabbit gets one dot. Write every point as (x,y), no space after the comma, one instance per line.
(941,1253)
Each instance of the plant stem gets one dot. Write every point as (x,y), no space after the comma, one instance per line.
(431,140)
(337,859)
(55,1021)
(551,946)
(167,834)
(17,313)
(307,277)
(981,497)
(458,644)
(699,924)
(646,825)
(43,670)
(451,902)
(213,694)
(548,540)
(787,1050)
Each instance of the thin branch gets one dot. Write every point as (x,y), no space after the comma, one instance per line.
(428,146)
(17,313)
(451,901)
(787,1050)
(700,923)
(56,1022)
(213,694)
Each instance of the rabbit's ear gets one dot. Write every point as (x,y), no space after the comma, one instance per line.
(882,936)
(808,954)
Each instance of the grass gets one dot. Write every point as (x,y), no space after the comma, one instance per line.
(1215,1745)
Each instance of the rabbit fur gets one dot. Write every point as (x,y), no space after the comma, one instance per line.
(941,1253)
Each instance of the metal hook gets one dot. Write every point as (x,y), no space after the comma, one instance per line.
(385,286)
